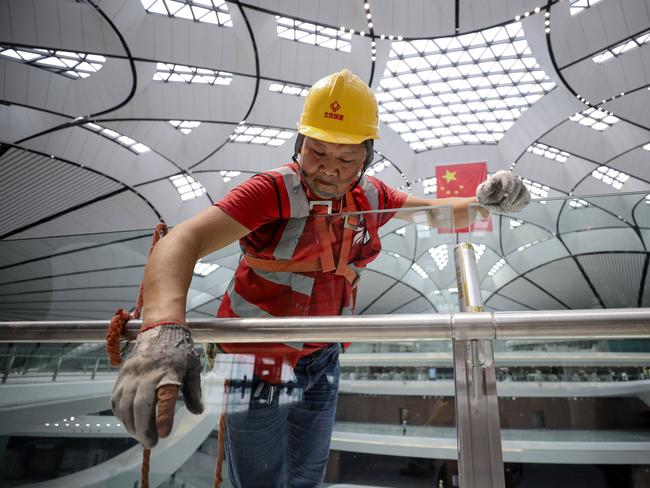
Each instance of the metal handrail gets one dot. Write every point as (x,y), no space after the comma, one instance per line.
(562,324)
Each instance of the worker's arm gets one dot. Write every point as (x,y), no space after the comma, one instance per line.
(168,273)
(164,359)
(502,192)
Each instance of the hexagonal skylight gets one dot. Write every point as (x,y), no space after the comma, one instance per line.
(314,34)
(467,89)
(210,11)
(69,64)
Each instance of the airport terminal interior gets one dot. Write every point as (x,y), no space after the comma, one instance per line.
(117,115)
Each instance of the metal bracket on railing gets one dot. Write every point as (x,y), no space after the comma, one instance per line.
(480,460)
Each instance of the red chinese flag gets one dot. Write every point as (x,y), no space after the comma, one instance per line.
(461,180)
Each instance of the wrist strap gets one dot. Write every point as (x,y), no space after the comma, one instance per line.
(147,327)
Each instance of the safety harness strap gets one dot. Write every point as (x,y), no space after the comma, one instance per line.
(325,262)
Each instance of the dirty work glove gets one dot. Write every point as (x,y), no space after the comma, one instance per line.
(503,192)
(162,361)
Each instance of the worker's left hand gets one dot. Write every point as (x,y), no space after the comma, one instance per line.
(503,192)
(145,392)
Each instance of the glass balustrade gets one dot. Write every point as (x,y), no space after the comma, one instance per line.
(572,412)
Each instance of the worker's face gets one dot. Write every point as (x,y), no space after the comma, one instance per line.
(329,169)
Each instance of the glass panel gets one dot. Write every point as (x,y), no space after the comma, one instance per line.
(87,277)
(575,253)
(573,413)
(575,410)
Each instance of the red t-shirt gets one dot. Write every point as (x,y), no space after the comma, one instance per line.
(254,204)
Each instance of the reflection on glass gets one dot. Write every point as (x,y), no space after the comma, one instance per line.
(569,410)
(574,253)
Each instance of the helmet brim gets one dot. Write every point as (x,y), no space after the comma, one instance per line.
(332,136)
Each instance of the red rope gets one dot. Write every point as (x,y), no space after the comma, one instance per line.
(114,333)
(144,471)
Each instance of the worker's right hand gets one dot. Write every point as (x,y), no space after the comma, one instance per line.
(162,361)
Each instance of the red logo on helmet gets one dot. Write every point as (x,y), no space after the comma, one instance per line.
(335,106)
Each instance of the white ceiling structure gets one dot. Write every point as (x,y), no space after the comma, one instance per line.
(116,114)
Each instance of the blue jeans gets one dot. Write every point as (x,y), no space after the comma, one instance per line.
(276,444)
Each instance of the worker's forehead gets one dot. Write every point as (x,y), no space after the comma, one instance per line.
(351,148)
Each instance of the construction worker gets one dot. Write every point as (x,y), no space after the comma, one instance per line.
(296,262)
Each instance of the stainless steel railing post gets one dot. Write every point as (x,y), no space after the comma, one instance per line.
(10,364)
(480,460)
(92,377)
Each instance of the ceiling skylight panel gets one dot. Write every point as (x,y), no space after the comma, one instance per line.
(204,269)
(595,118)
(125,141)
(420,272)
(622,48)
(267,136)
(208,11)
(497,267)
(187,187)
(168,72)
(464,72)
(537,190)
(430,186)
(378,167)
(548,152)
(610,176)
(228,175)
(288,89)
(313,34)
(577,6)
(514,223)
(440,255)
(69,64)
(578,203)
(185,126)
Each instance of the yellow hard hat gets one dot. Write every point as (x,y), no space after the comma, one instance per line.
(340,108)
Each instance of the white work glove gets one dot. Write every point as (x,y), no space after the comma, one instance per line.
(162,361)
(503,192)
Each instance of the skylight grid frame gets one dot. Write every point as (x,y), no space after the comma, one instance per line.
(460,90)
(179,73)
(73,65)
(622,48)
(205,11)
(313,34)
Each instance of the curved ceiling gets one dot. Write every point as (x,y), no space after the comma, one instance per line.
(109,108)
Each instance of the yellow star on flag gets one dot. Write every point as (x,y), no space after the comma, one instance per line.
(449,176)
